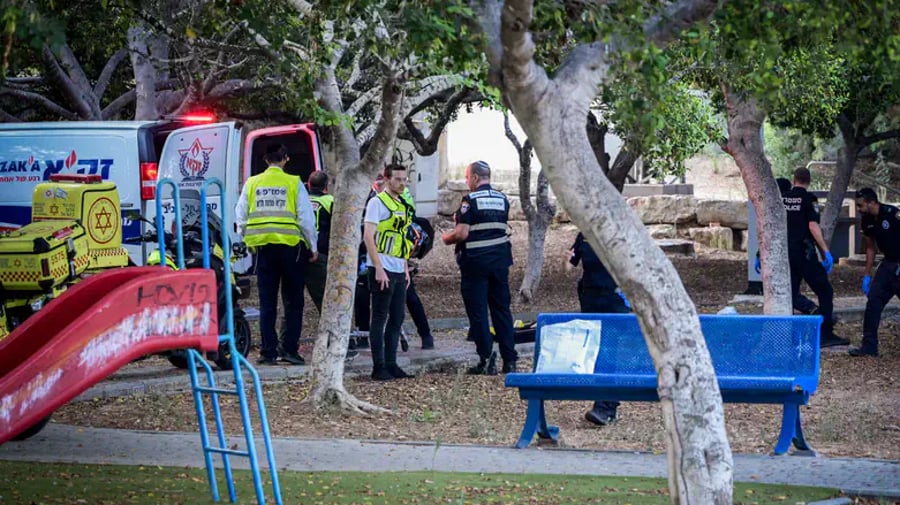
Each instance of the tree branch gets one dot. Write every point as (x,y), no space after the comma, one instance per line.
(878,137)
(41,100)
(6,117)
(386,131)
(56,74)
(73,68)
(489,14)
(107,73)
(663,27)
(427,147)
(519,68)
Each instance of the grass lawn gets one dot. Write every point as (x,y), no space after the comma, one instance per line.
(45,483)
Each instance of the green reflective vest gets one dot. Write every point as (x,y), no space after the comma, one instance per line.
(272,216)
(321,202)
(390,235)
(407,197)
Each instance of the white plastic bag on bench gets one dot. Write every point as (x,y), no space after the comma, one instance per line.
(569,347)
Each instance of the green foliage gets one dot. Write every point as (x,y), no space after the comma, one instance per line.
(787,149)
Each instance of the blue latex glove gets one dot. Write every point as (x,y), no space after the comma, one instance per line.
(624,299)
(867,281)
(757,265)
(828,262)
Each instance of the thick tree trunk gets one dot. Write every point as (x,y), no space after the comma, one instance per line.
(841,181)
(352,178)
(145,73)
(745,145)
(553,114)
(618,172)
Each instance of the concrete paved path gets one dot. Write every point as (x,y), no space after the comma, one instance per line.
(61,443)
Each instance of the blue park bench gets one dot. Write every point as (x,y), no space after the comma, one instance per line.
(757,359)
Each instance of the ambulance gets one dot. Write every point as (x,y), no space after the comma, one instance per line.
(136,154)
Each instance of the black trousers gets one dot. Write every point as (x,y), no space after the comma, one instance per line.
(885,286)
(280,266)
(388,311)
(417,312)
(806,268)
(316,275)
(362,302)
(601,301)
(487,289)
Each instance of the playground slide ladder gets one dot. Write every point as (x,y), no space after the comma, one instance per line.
(239,363)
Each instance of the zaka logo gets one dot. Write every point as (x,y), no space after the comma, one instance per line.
(194,161)
(54,166)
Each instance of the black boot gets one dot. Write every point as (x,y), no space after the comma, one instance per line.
(485,366)
(397,372)
(380,373)
(509,366)
(827,338)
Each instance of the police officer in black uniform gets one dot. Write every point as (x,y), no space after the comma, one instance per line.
(804,235)
(484,255)
(597,293)
(881,226)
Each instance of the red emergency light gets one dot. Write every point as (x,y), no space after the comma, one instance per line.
(149,171)
(82,178)
(198,117)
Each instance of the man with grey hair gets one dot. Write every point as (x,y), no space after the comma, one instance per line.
(484,255)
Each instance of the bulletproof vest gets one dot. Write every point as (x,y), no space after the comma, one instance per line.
(488,231)
(798,204)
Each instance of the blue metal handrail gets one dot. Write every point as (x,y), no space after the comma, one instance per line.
(238,361)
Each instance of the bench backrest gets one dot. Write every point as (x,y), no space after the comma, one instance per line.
(744,346)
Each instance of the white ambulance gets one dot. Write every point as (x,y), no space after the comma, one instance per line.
(135,154)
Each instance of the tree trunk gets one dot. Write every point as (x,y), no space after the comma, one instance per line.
(538,214)
(145,73)
(618,172)
(352,178)
(841,180)
(553,114)
(745,145)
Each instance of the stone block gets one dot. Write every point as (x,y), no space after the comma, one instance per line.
(665,209)
(459,186)
(515,209)
(717,237)
(448,201)
(676,246)
(730,213)
(658,231)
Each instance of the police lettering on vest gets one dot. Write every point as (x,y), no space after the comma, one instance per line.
(486,211)
(272,216)
(390,234)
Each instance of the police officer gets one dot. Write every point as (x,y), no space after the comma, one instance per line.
(386,222)
(881,226)
(597,293)
(413,302)
(484,255)
(322,205)
(804,235)
(275,217)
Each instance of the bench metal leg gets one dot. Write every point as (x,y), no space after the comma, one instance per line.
(792,432)
(547,432)
(536,423)
(789,421)
(535,409)
(799,439)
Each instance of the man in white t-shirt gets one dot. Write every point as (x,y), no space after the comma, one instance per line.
(387,219)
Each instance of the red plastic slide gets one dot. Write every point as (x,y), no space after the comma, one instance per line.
(96,327)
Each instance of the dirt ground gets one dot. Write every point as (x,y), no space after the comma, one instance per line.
(856,411)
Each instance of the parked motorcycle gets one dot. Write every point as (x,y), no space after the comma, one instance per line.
(193,258)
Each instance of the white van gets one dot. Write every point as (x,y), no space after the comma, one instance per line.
(134,154)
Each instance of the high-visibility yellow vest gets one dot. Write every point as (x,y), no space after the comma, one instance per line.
(272,217)
(390,235)
(321,202)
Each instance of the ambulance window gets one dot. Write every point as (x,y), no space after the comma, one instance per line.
(300,151)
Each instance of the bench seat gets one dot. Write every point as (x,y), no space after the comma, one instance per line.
(758,359)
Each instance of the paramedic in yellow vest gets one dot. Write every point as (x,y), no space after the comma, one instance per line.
(386,223)
(275,217)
